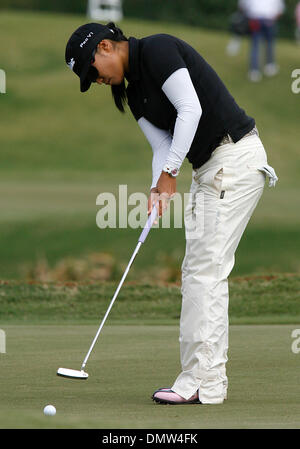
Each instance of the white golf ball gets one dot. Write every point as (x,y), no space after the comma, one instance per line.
(50,410)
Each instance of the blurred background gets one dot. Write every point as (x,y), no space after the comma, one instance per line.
(60,149)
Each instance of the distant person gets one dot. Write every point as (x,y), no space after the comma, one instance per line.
(185,111)
(297,16)
(239,28)
(263,16)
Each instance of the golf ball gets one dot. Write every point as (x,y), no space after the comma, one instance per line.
(50,410)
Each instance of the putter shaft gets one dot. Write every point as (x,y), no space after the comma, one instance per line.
(141,240)
(111,304)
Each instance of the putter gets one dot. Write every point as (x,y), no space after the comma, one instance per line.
(76,374)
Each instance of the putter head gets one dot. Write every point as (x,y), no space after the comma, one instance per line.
(72,373)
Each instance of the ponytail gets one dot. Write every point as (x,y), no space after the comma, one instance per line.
(118,33)
(118,91)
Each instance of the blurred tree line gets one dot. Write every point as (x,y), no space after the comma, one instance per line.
(203,13)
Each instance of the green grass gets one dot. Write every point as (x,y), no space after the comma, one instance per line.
(128,364)
(50,126)
(265,299)
(24,246)
(48,325)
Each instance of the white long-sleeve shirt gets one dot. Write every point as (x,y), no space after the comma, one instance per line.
(167,149)
(262,9)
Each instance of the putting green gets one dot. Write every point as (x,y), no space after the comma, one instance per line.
(128,364)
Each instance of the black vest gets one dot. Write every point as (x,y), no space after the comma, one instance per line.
(151,61)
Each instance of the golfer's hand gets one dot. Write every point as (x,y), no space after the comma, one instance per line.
(153,199)
(161,195)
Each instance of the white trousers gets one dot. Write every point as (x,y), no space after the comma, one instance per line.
(224,193)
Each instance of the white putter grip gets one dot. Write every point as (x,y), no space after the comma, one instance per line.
(148,225)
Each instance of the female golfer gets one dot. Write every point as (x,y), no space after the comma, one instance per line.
(185,110)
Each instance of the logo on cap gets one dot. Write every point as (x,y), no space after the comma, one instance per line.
(86,39)
(71,63)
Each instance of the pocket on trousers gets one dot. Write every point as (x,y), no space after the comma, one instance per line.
(210,178)
(216,181)
(223,181)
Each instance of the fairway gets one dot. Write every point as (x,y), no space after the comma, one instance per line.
(60,150)
(128,364)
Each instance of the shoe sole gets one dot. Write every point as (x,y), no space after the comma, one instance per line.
(165,402)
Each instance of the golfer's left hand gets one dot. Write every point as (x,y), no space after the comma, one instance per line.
(166,187)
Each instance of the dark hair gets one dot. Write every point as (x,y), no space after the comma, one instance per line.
(118,91)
